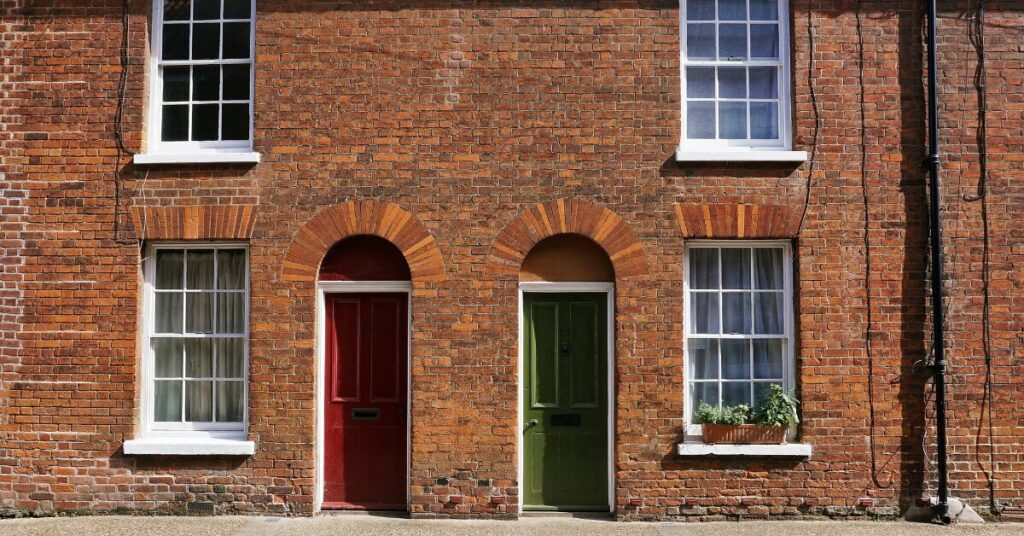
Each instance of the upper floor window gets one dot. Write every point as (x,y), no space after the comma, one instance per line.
(735,75)
(202,87)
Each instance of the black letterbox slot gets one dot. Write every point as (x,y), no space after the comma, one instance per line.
(365,414)
(566,419)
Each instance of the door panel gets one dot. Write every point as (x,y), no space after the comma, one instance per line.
(565,464)
(365,442)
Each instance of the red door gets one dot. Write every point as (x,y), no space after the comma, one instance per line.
(365,406)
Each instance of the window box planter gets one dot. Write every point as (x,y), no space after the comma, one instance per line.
(743,434)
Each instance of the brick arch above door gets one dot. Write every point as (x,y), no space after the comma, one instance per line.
(363,217)
(561,216)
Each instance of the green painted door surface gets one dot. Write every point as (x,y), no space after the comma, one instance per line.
(565,397)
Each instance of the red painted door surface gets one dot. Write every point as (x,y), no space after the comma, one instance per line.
(365,407)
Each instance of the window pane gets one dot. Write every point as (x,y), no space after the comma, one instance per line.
(764,82)
(231,269)
(704,312)
(700,82)
(205,82)
(703,359)
(736,268)
(732,9)
(167,357)
(167,401)
(206,10)
(205,119)
(764,120)
(236,82)
(732,82)
(198,358)
(200,268)
(700,120)
(174,125)
(768,268)
(169,264)
(229,401)
(230,357)
(703,268)
(237,9)
(199,401)
(703,392)
(168,312)
(236,39)
(764,41)
(175,83)
(736,312)
(199,312)
(732,41)
(177,9)
(768,308)
(735,393)
(732,120)
(175,42)
(700,41)
(205,41)
(230,312)
(700,9)
(735,359)
(767,359)
(764,10)
(236,122)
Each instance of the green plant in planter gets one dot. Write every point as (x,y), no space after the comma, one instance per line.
(777,409)
(708,414)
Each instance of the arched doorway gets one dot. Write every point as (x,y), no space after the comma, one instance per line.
(364,286)
(566,286)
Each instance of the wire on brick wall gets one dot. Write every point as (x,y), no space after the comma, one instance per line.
(817,116)
(122,87)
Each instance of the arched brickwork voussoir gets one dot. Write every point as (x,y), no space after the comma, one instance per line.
(568,216)
(359,217)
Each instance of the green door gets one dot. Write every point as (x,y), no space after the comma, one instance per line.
(565,397)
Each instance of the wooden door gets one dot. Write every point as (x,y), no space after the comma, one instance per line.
(565,397)
(365,442)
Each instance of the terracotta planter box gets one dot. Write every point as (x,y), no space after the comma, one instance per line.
(743,434)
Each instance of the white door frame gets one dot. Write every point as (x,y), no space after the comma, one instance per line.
(348,287)
(558,287)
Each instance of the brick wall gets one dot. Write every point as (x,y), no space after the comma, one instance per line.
(467,116)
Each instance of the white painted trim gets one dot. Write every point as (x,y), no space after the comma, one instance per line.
(197,157)
(788,450)
(748,155)
(189,446)
(557,287)
(363,286)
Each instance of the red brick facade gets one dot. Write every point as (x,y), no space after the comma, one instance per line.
(465,132)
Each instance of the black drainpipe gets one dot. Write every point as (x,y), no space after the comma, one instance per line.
(935,226)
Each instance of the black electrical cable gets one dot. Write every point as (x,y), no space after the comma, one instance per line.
(122,87)
(817,116)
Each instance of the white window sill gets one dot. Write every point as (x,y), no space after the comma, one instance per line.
(744,155)
(198,158)
(787,450)
(189,446)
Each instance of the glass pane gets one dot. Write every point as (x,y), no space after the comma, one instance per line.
(231,269)
(768,268)
(198,358)
(736,268)
(761,390)
(229,401)
(732,41)
(199,401)
(236,39)
(174,126)
(700,41)
(703,359)
(167,401)
(206,10)
(764,82)
(768,313)
(764,41)
(767,359)
(732,120)
(764,9)
(175,83)
(167,357)
(205,119)
(735,393)
(700,120)
(704,312)
(703,392)
(230,357)
(764,120)
(700,82)
(205,82)
(169,264)
(736,312)
(732,82)
(168,312)
(205,41)
(175,42)
(735,359)
(236,122)
(199,312)
(237,9)
(200,268)
(700,9)
(732,9)
(703,268)
(236,82)
(230,312)
(177,9)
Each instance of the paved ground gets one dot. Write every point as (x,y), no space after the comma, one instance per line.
(364,525)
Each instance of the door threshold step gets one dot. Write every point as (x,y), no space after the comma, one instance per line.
(395,514)
(567,515)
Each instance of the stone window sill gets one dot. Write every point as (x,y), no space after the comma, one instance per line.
(224,157)
(189,446)
(788,450)
(739,155)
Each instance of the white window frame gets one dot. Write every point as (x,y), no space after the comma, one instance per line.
(159,151)
(213,430)
(693,431)
(722,148)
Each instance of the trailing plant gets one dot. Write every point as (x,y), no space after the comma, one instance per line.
(708,414)
(777,409)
